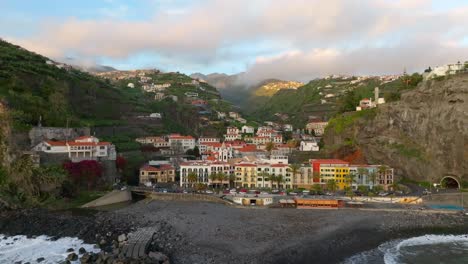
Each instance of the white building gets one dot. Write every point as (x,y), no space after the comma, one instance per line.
(241,120)
(191,94)
(309,146)
(221,115)
(202,169)
(159,96)
(287,127)
(248,130)
(183,143)
(317,127)
(444,70)
(202,140)
(82,148)
(131,85)
(155,115)
(234,115)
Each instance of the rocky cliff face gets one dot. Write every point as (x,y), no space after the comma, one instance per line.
(424,136)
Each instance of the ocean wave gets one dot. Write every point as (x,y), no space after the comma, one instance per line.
(397,251)
(20,248)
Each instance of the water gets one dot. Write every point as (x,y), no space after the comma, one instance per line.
(428,249)
(21,248)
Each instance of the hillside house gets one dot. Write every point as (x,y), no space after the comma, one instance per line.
(159,96)
(221,115)
(81,148)
(131,85)
(316,127)
(179,143)
(248,130)
(191,94)
(241,120)
(234,115)
(310,145)
(163,173)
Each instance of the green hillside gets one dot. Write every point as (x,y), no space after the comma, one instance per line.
(323,98)
(35,87)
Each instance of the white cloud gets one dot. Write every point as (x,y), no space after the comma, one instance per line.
(319,37)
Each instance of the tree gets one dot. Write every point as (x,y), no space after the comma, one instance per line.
(192,178)
(331,185)
(373,178)
(272,178)
(294,168)
(232,180)
(317,188)
(213,178)
(279,180)
(350,179)
(363,172)
(86,171)
(269,147)
(120,163)
(196,152)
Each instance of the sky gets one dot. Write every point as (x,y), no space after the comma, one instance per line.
(286,39)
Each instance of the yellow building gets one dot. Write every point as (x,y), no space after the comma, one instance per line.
(246,174)
(333,169)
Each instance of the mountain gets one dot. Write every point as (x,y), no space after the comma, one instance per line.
(424,135)
(34,87)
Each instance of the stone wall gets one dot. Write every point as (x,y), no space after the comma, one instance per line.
(39,134)
(185,197)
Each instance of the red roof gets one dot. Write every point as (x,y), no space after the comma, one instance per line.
(248,148)
(328,161)
(211,157)
(212,144)
(246,165)
(279,165)
(63,143)
(83,137)
(162,167)
(180,137)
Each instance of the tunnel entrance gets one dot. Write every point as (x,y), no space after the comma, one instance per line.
(450,182)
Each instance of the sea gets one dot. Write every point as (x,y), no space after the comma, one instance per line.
(427,249)
(20,249)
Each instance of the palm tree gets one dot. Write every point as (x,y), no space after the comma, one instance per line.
(222,177)
(331,185)
(269,147)
(317,188)
(373,177)
(294,168)
(232,179)
(350,179)
(213,178)
(192,178)
(382,171)
(279,179)
(363,172)
(272,179)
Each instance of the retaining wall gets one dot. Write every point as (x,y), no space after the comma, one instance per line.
(185,197)
(110,198)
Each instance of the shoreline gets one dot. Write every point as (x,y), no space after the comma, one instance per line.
(200,232)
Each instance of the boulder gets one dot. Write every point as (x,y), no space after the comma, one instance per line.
(122,238)
(81,250)
(158,257)
(72,256)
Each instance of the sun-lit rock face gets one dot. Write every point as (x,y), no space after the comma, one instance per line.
(424,136)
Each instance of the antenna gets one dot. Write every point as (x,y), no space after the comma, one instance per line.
(67,133)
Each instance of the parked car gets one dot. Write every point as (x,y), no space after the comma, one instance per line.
(226,192)
(209,192)
(383,194)
(305,191)
(185,191)
(282,193)
(233,191)
(263,193)
(275,191)
(426,192)
(293,193)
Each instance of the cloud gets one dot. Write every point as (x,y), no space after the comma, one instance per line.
(316,37)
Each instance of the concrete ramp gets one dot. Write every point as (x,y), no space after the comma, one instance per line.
(113,197)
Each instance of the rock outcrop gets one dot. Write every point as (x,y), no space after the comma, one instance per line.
(424,136)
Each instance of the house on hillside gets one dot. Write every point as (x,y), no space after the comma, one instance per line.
(81,148)
(248,130)
(163,173)
(310,145)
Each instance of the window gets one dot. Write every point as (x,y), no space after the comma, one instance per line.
(102,147)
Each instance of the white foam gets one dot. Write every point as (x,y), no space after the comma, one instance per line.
(21,248)
(391,254)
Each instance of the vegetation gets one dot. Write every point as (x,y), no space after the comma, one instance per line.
(341,122)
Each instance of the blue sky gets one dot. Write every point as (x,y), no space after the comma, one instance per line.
(294,39)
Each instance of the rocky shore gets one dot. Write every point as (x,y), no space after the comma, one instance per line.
(198,232)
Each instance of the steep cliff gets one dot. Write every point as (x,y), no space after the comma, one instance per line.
(424,136)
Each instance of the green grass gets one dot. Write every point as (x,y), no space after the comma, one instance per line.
(342,122)
(83,197)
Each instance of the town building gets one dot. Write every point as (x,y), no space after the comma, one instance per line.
(81,148)
(287,127)
(248,130)
(201,170)
(163,173)
(179,143)
(159,96)
(202,140)
(241,120)
(221,115)
(234,115)
(310,145)
(316,127)
(131,85)
(331,170)
(191,94)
